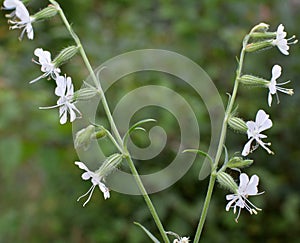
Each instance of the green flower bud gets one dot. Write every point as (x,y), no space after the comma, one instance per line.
(261,27)
(109,165)
(237,124)
(84,137)
(45,13)
(101,133)
(239,162)
(256,46)
(226,181)
(65,55)
(253,81)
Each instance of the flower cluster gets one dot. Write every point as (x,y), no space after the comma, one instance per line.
(64,87)
(20,18)
(254,129)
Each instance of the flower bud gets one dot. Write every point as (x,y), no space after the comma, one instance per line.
(239,162)
(237,124)
(256,46)
(65,55)
(253,81)
(84,137)
(227,181)
(46,13)
(261,27)
(109,165)
(101,133)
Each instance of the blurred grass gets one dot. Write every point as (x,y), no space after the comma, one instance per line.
(39,182)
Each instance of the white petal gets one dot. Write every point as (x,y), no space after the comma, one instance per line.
(252,186)
(105,190)
(29,30)
(280,31)
(276,71)
(22,13)
(82,166)
(10,4)
(244,179)
(270,99)
(44,56)
(63,115)
(261,117)
(266,125)
(246,149)
(86,176)
(72,113)
(61,86)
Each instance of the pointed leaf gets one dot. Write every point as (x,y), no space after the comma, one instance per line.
(152,237)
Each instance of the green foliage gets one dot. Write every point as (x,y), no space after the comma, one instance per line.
(39,182)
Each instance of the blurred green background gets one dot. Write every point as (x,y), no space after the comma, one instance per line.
(39,181)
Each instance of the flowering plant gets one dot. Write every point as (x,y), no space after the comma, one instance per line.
(257,39)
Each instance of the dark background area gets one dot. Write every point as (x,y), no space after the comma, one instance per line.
(39,181)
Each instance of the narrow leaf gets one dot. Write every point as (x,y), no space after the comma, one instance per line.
(152,237)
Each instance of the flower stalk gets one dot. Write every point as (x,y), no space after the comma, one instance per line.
(112,123)
(228,112)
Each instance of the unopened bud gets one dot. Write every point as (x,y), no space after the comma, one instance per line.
(84,137)
(261,27)
(226,181)
(237,124)
(239,162)
(109,165)
(101,133)
(253,81)
(65,55)
(46,13)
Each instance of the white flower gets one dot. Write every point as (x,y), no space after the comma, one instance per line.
(240,197)
(21,18)
(47,66)
(96,180)
(182,240)
(10,4)
(281,42)
(65,90)
(273,86)
(262,122)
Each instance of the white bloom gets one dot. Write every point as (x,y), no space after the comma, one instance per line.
(21,18)
(274,86)
(281,42)
(65,90)
(96,180)
(10,4)
(182,240)
(240,197)
(47,66)
(262,122)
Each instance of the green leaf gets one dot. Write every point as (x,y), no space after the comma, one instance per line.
(135,127)
(152,237)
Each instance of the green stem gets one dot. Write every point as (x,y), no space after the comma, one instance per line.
(228,111)
(147,200)
(90,69)
(119,142)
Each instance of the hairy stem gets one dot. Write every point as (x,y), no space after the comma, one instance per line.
(90,69)
(118,142)
(221,143)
